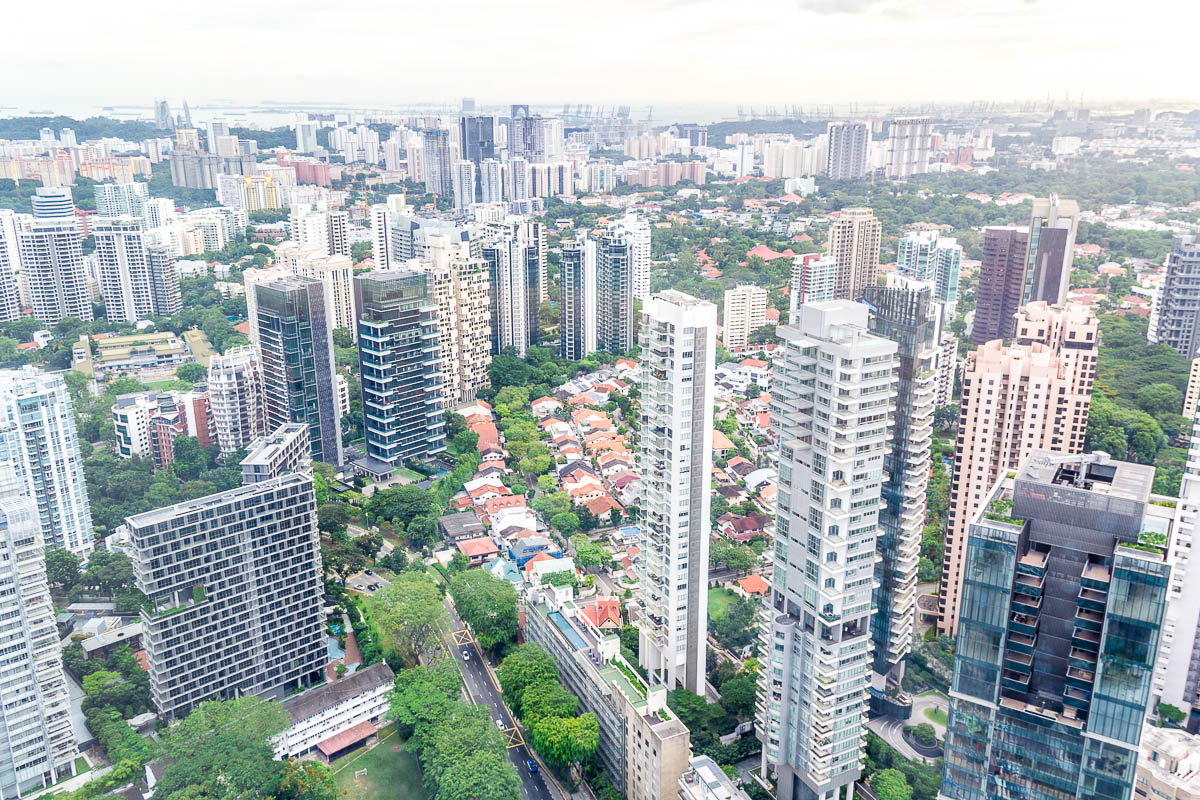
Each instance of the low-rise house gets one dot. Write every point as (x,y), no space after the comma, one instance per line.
(522,550)
(537,568)
(742,528)
(545,406)
(721,444)
(739,466)
(604,615)
(330,719)
(603,507)
(478,551)
(487,511)
(463,525)
(753,586)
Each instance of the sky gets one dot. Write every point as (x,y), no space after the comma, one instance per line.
(674,53)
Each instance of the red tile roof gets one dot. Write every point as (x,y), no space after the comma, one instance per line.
(474,548)
(605,611)
(754,584)
(340,741)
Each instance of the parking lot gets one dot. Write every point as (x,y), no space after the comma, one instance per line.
(363,583)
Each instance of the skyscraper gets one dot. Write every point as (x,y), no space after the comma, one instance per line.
(295,344)
(235,391)
(335,271)
(854,241)
(1032,395)
(1000,274)
(458,285)
(834,387)
(52,259)
(932,258)
(903,316)
(37,435)
(322,227)
(679,333)
(577,327)
(848,146)
(306,137)
(464,184)
(437,162)
(1179,306)
(908,147)
(745,311)
(402,399)
(1066,580)
(614,292)
(491,181)
(515,255)
(478,137)
(38,746)
(636,230)
(137,278)
(234,603)
(1050,251)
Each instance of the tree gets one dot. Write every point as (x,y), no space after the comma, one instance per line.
(524,666)
(108,571)
(736,557)
(407,614)
(306,780)
(563,741)
(737,696)
(890,784)
(190,459)
(62,569)
(223,750)
(1159,398)
(551,505)
(403,503)
(488,604)
(423,531)
(548,699)
(566,523)
(190,372)
(424,695)
(1170,715)
(333,517)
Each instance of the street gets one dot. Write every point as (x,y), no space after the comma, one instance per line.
(483,690)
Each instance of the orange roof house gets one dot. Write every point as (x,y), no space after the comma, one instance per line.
(754,585)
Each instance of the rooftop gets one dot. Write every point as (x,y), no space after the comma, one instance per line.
(322,698)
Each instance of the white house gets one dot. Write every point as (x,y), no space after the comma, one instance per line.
(335,716)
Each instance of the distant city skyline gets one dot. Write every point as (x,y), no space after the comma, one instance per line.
(784,52)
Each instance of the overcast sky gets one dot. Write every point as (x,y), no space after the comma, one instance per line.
(670,52)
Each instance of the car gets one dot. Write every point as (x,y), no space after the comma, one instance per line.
(368,572)
(466,656)
(529,762)
(500,724)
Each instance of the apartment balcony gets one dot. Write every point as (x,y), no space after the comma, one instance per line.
(1082,659)
(1080,678)
(1023,624)
(1020,663)
(1015,681)
(1077,698)
(1089,620)
(1093,600)
(1027,606)
(1021,643)
(1029,585)
(1085,640)
(1096,577)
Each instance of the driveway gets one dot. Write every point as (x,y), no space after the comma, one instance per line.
(362,583)
(927,701)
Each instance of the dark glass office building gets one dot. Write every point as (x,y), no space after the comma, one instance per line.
(403,406)
(296,344)
(1062,609)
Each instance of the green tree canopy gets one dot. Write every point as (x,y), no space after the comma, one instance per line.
(407,614)
(488,604)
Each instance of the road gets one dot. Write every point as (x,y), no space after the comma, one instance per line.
(484,691)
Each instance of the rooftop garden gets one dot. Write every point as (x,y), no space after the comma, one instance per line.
(1000,510)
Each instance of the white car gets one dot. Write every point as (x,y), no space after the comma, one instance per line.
(466,656)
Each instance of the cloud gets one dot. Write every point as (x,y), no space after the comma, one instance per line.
(836,6)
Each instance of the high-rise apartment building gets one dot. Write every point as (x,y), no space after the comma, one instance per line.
(831,404)
(614,292)
(491,181)
(679,337)
(1177,673)
(306,137)
(235,393)
(37,436)
(281,452)
(398,349)
(515,253)
(1001,270)
(234,585)
(849,143)
(335,271)
(854,241)
(903,316)
(518,182)
(1063,597)
(322,227)
(295,345)
(744,312)
(1179,304)
(38,746)
(477,136)
(935,259)
(137,276)
(636,231)
(463,178)
(52,259)
(814,277)
(384,219)
(1051,249)
(13,285)
(577,326)
(120,199)
(458,285)
(908,146)
(147,423)
(1032,395)
(437,162)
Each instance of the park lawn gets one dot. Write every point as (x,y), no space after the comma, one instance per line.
(411,474)
(392,774)
(938,716)
(719,599)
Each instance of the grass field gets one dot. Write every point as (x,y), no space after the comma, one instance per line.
(719,599)
(392,772)
(937,715)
